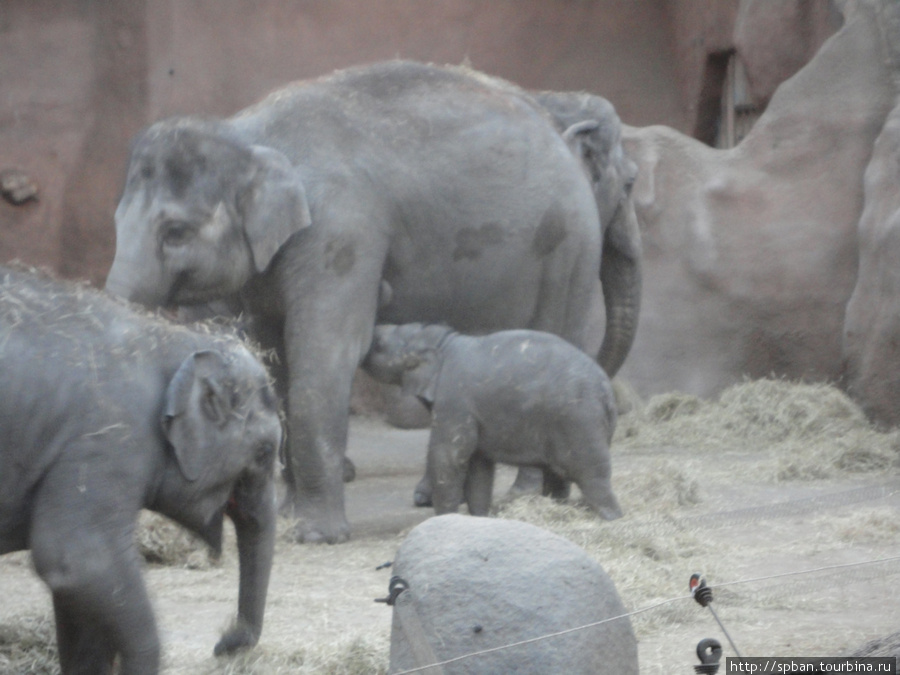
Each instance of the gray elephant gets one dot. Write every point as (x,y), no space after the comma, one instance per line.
(591,126)
(105,411)
(518,397)
(455,189)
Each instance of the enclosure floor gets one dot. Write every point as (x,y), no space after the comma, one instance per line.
(322,595)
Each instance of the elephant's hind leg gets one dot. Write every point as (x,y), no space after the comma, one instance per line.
(479,487)
(556,486)
(529,480)
(83,549)
(598,493)
(83,645)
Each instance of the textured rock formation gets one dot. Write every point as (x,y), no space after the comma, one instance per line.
(479,583)
(751,253)
(871,347)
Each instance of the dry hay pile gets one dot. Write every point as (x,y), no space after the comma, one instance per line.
(353,656)
(161,541)
(28,646)
(797,431)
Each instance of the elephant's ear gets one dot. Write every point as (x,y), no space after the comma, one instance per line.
(585,140)
(197,403)
(580,132)
(420,379)
(275,205)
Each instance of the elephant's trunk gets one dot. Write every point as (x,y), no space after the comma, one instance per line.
(620,276)
(253,513)
(136,274)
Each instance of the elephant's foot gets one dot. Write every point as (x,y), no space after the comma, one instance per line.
(318,525)
(421,498)
(238,637)
(319,516)
(349,470)
(610,513)
(422,494)
(321,532)
(529,481)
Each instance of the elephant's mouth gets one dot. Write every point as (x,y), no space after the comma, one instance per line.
(211,532)
(178,293)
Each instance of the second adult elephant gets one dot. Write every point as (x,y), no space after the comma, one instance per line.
(455,188)
(591,126)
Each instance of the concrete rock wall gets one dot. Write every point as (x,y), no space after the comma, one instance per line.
(871,339)
(751,253)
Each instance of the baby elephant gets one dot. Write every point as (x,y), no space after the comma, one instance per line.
(518,397)
(104,411)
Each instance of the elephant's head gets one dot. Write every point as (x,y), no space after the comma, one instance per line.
(221,420)
(201,213)
(591,127)
(408,355)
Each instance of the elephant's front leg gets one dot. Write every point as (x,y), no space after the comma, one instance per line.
(330,315)
(85,554)
(479,487)
(453,441)
(529,481)
(556,486)
(80,642)
(318,423)
(424,488)
(83,645)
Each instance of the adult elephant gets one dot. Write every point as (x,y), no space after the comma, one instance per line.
(453,188)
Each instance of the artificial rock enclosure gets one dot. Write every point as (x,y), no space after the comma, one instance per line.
(766,133)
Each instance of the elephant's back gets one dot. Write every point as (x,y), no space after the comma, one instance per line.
(534,370)
(388,85)
(491,219)
(391,106)
(72,356)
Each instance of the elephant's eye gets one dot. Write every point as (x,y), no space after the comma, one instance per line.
(177,233)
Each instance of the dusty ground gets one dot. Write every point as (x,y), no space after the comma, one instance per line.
(733,515)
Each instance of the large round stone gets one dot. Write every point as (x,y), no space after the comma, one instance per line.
(481,583)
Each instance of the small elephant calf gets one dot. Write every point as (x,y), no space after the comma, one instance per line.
(518,397)
(104,411)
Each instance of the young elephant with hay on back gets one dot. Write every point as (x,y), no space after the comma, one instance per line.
(104,411)
(518,397)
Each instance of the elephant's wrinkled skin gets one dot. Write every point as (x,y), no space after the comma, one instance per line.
(593,129)
(103,412)
(455,189)
(519,397)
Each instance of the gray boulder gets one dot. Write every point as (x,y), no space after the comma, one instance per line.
(480,583)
